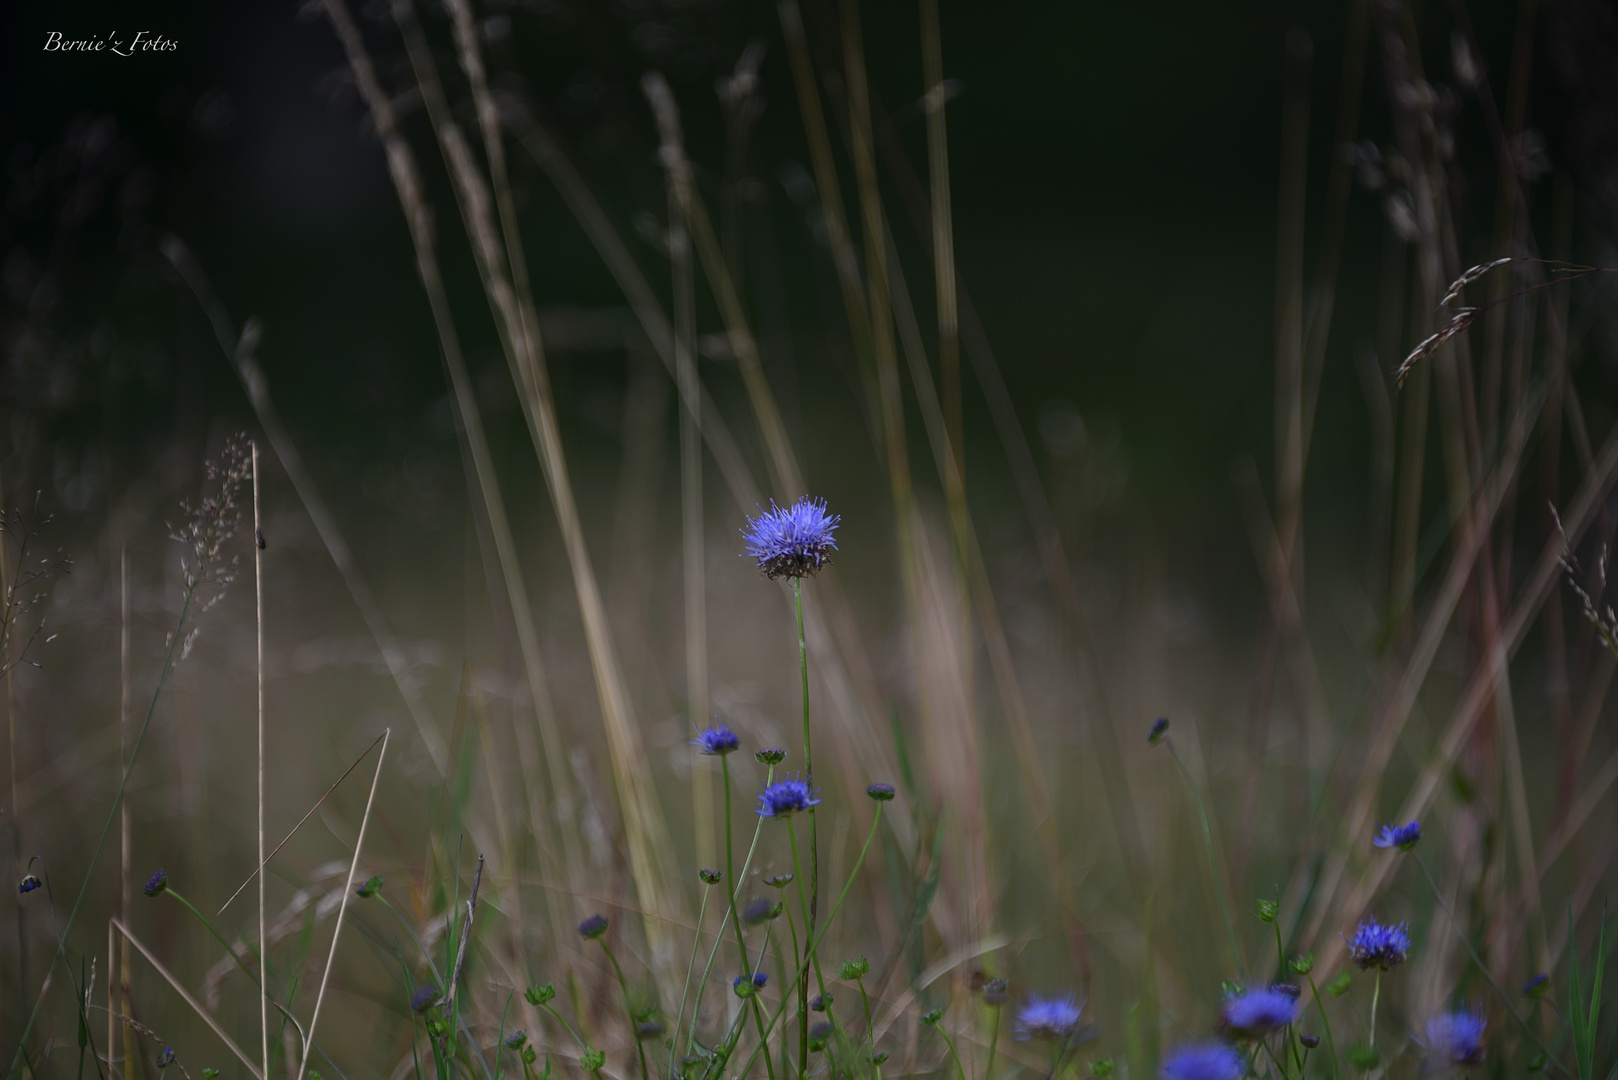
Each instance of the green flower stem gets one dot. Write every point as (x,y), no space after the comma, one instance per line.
(735,916)
(629,1007)
(702,987)
(1325,1023)
(781,966)
(870,1029)
(994,1039)
(1213,860)
(815,940)
(1482,967)
(814,838)
(949,1042)
(231,952)
(1376,992)
(690,967)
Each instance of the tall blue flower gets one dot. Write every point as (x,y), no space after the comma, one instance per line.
(1051,1018)
(792,542)
(1403,837)
(1203,1061)
(1454,1039)
(1376,946)
(787,796)
(716,741)
(1256,1013)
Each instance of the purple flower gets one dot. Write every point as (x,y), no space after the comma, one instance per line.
(716,741)
(1402,837)
(757,910)
(593,927)
(880,792)
(423,999)
(793,542)
(1203,1061)
(157,883)
(1256,1013)
(28,884)
(1048,1018)
(1454,1038)
(1536,987)
(1376,946)
(787,796)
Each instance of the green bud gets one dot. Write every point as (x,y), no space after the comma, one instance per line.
(1228,989)
(877,1059)
(770,757)
(1339,986)
(1303,963)
(529,1054)
(1364,1058)
(591,1060)
(933,1017)
(1101,1069)
(1536,1063)
(854,969)
(710,877)
(1268,910)
(539,995)
(210,1073)
(372,886)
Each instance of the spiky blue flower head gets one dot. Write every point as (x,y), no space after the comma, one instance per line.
(716,741)
(1454,1039)
(28,884)
(1203,1061)
(792,542)
(593,927)
(158,883)
(1256,1013)
(1376,946)
(423,999)
(1048,1018)
(787,796)
(1402,837)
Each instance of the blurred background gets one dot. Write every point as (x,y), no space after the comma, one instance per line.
(1163,467)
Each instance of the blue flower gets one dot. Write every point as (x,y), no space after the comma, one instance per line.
(157,883)
(166,1058)
(28,884)
(593,927)
(1536,987)
(716,741)
(1256,1013)
(423,999)
(1403,837)
(793,542)
(880,792)
(1455,1038)
(757,910)
(1203,1061)
(1376,946)
(787,796)
(1048,1018)
(1159,729)
(746,986)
